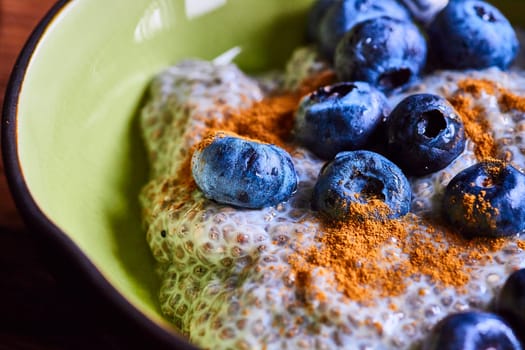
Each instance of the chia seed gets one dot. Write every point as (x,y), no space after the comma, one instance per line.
(225,272)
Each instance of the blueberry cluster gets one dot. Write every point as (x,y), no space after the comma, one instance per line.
(502,328)
(377,47)
(386,44)
(421,135)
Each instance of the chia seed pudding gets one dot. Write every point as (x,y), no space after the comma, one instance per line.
(227,279)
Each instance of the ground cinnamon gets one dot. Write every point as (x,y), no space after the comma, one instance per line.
(476,87)
(507,100)
(270,120)
(370,257)
(477,205)
(367,256)
(477,127)
(354,250)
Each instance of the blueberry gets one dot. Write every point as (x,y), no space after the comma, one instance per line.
(343,15)
(486,199)
(472,34)
(340,117)
(247,174)
(510,302)
(424,134)
(388,53)
(472,330)
(360,177)
(316,14)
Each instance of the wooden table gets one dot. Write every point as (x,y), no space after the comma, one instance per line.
(17,19)
(40,309)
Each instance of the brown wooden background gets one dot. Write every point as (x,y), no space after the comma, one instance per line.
(17,19)
(41,308)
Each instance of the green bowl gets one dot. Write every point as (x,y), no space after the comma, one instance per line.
(71,145)
(72,148)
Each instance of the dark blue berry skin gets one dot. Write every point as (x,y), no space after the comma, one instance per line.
(244,173)
(472,331)
(359,177)
(385,52)
(340,117)
(315,15)
(510,302)
(472,34)
(424,10)
(343,15)
(424,134)
(486,199)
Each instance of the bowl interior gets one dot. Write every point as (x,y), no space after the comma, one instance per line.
(79,146)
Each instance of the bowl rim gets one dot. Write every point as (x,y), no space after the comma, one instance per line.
(34,217)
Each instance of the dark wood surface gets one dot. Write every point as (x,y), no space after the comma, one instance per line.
(39,307)
(17,20)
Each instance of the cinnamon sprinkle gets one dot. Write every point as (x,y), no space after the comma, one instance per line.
(477,127)
(366,256)
(475,87)
(477,204)
(378,258)
(353,249)
(270,120)
(509,101)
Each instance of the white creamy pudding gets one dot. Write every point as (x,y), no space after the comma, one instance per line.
(270,278)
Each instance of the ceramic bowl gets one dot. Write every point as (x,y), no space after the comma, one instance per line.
(72,149)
